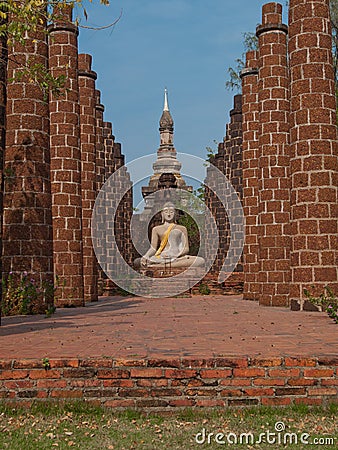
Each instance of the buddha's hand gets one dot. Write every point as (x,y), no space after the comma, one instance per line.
(144,262)
(167,254)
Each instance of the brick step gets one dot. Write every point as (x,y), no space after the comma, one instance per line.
(232,286)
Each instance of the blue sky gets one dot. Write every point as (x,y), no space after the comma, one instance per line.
(184,45)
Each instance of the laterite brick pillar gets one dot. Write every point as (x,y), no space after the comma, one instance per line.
(3,79)
(120,227)
(87,97)
(313,149)
(66,162)
(221,160)
(250,112)
(228,160)
(274,189)
(100,170)
(108,149)
(218,211)
(109,251)
(125,209)
(233,147)
(27,220)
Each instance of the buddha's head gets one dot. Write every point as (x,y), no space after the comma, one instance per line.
(168,212)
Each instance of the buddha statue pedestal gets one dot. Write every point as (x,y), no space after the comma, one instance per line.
(167,272)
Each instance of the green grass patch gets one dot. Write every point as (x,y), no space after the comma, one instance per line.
(82,426)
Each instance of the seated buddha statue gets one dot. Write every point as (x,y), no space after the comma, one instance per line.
(169,244)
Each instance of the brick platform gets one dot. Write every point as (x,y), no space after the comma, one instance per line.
(158,354)
(165,384)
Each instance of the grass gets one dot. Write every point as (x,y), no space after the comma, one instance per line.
(82,426)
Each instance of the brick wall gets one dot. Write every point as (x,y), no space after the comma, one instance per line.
(165,385)
(27,222)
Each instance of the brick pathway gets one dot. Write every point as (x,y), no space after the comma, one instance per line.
(132,327)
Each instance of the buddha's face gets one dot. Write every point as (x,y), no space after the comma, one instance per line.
(168,214)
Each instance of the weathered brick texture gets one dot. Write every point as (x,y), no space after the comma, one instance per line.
(57,157)
(293,159)
(109,141)
(125,209)
(66,162)
(100,159)
(228,160)
(314,151)
(100,169)
(273,171)
(111,222)
(3,99)
(88,126)
(114,163)
(164,385)
(288,163)
(250,111)
(27,222)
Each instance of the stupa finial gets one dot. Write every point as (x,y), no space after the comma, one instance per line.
(166,105)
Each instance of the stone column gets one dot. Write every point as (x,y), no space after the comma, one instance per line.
(66,162)
(250,111)
(88,174)
(274,186)
(27,221)
(313,150)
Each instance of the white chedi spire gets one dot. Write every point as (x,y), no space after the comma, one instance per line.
(166,104)
(166,154)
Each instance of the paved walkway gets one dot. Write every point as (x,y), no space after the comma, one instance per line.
(200,326)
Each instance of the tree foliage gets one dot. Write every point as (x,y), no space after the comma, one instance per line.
(29,15)
(250,42)
(22,18)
